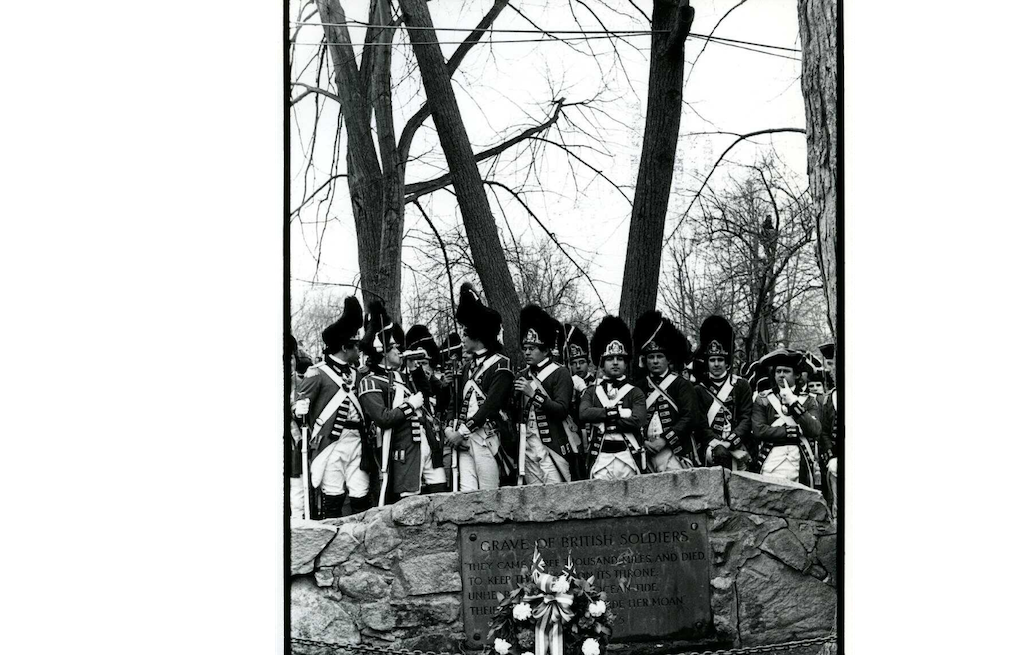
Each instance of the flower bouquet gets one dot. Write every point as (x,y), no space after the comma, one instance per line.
(551,614)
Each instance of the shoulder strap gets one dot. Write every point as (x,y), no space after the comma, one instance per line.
(781,419)
(547,370)
(658,390)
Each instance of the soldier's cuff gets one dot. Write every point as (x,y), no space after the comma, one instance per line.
(612,413)
(407,410)
(470,425)
(672,438)
(536,400)
(797,409)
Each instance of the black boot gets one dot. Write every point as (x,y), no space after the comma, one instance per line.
(332,506)
(361,504)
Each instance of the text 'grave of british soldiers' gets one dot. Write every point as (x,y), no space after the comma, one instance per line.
(655,569)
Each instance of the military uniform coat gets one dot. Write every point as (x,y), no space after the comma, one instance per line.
(552,407)
(383,398)
(321,389)
(736,409)
(608,420)
(679,423)
(767,436)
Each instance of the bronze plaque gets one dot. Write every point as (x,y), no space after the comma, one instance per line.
(655,569)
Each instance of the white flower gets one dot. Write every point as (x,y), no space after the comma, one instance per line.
(521,612)
(561,585)
(591,647)
(597,609)
(501,647)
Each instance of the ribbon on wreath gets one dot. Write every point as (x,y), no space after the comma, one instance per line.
(552,610)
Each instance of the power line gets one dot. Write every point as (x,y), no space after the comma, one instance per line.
(497,30)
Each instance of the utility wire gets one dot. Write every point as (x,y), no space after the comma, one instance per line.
(496,30)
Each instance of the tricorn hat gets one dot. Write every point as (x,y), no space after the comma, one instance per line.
(576,344)
(418,337)
(611,338)
(716,338)
(782,357)
(480,322)
(345,329)
(536,327)
(381,332)
(828,350)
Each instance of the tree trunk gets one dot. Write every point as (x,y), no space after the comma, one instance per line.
(481,230)
(657,158)
(819,38)
(365,180)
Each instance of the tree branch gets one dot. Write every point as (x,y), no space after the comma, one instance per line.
(417,189)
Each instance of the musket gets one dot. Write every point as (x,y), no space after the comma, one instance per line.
(385,454)
(522,436)
(305,468)
(456,398)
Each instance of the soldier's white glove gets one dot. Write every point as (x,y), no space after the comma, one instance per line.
(464,430)
(301,407)
(786,394)
(416,400)
(625,412)
(578,384)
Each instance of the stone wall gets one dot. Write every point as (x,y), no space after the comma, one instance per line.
(390,576)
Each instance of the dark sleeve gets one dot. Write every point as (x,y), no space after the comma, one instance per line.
(308,388)
(498,392)
(444,397)
(374,403)
(559,387)
(810,418)
(591,411)
(744,408)
(637,404)
(686,400)
(762,428)
(828,417)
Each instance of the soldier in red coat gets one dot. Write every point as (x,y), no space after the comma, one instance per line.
(786,423)
(543,401)
(615,409)
(391,401)
(480,429)
(726,400)
(675,433)
(339,444)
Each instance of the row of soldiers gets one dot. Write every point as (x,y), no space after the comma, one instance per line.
(389,413)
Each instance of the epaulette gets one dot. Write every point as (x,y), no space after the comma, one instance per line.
(503,364)
(366,385)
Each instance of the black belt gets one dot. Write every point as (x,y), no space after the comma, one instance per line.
(612,447)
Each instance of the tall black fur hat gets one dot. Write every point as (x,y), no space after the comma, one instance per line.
(828,350)
(452,346)
(345,329)
(610,338)
(419,336)
(538,328)
(716,338)
(655,333)
(480,322)
(576,344)
(381,331)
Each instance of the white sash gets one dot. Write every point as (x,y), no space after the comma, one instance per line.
(718,400)
(608,403)
(344,390)
(653,397)
(472,393)
(835,400)
(789,420)
(572,431)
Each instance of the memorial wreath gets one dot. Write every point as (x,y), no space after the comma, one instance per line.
(551,614)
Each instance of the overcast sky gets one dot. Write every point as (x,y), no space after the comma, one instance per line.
(502,88)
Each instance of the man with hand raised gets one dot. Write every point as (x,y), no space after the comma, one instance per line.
(786,423)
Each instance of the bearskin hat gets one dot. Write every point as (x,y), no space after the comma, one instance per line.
(345,329)
(716,338)
(419,336)
(452,346)
(610,338)
(480,322)
(538,328)
(381,332)
(575,345)
(655,333)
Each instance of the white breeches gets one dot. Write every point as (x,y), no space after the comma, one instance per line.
(614,466)
(666,460)
(477,466)
(783,462)
(295,500)
(341,471)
